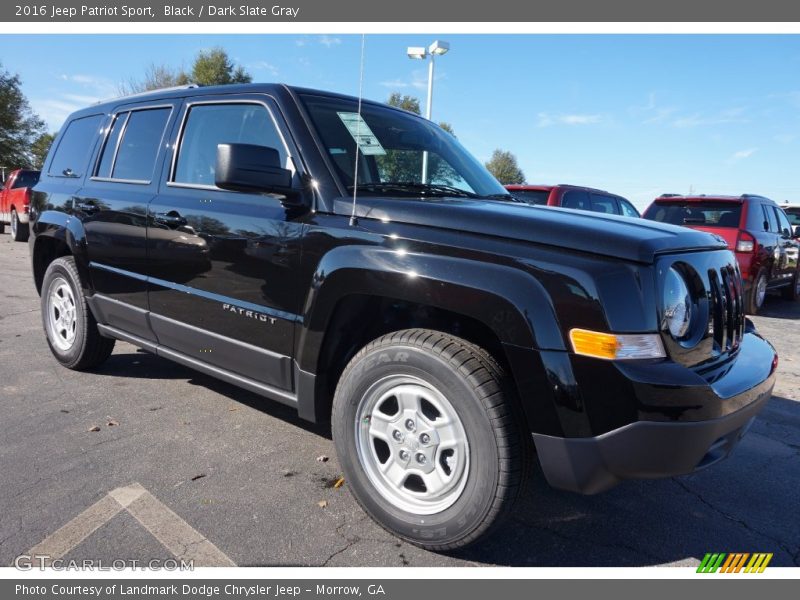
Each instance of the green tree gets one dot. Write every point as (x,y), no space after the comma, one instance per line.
(503,165)
(210,67)
(214,67)
(40,148)
(19,125)
(409,103)
(155,77)
(406,165)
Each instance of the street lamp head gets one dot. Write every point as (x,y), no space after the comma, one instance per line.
(439,47)
(417,53)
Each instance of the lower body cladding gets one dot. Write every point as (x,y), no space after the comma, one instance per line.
(715,418)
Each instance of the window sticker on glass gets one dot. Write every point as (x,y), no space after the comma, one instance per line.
(362,134)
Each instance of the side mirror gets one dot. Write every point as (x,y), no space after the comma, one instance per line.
(796,231)
(252,168)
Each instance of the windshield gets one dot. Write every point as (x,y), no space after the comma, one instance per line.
(712,214)
(393,149)
(793,213)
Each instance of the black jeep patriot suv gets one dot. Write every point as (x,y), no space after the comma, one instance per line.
(355,262)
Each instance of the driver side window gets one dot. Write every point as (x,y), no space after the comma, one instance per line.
(208,125)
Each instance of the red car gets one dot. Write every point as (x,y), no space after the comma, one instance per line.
(15,199)
(574,196)
(754,227)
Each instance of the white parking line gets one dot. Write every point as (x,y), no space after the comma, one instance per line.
(78,529)
(175,534)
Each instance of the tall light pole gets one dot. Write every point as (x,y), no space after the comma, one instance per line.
(437,48)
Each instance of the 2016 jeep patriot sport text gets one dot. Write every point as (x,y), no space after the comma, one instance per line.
(449,333)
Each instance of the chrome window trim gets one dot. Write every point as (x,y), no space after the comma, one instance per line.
(179,140)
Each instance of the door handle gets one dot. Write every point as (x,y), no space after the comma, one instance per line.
(171,219)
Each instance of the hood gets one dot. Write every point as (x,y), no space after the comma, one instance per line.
(609,235)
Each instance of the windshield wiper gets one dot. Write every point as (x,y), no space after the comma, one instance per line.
(505,198)
(414,187)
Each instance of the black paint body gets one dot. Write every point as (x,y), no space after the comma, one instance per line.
(267,294)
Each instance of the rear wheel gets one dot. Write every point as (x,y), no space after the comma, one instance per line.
(68,323)
(19,231)
(758,291)
(424,429)
(792,291)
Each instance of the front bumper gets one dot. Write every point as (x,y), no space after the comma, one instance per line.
(646,449)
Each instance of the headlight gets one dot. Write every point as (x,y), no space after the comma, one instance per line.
(677,305)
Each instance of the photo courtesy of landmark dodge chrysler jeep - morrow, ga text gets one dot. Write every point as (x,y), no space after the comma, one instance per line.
(353,261)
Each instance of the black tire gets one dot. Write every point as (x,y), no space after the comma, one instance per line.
(792,291)
(19,231)
(479,392)
(2,227)
(88,349)
(753,302)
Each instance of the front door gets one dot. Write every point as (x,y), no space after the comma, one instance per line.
(224,265)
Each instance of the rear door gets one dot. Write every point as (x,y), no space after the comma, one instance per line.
(113,208)
(224,266)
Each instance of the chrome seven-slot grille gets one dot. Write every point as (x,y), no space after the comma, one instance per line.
(726,307)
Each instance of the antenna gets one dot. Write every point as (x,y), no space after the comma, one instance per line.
(353,218)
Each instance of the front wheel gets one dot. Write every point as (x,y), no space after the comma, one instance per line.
(424,429)
(68,323)
(19,231)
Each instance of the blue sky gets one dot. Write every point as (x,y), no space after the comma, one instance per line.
(637,115)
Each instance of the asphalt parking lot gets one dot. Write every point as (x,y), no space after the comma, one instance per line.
(204,470)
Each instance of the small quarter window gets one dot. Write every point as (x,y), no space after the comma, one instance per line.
(110,147)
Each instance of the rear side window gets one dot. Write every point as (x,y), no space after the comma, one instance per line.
(531,196)
(603,203)
(576,199)
(208,125)
(76,144)
(771,221)
(132,145)
(711,214)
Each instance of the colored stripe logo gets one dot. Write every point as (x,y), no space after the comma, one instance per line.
(735,562)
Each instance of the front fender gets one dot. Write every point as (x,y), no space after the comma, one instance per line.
(510,302)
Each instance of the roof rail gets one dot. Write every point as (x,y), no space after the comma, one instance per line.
(172,88)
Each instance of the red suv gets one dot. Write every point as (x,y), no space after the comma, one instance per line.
(754,227)
(574,196)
